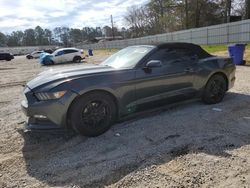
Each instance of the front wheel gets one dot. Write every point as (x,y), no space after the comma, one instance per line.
(48,62)
(215,89)
(92,114)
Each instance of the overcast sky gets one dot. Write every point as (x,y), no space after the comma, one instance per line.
(23,14)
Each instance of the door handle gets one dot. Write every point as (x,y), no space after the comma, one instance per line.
(189,69)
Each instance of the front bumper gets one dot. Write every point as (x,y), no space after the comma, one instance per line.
(51,114)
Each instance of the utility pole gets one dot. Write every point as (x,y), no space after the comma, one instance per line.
(112,26)
(186,14)
(228,11)
(247,9)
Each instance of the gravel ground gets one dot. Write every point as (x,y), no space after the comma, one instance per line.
(187,145)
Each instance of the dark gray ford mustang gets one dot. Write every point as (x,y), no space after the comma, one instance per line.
(91,98)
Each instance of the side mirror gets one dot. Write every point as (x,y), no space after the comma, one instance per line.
(153,64)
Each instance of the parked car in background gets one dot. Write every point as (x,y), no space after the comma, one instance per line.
(34,55)
(90,98)
(6,56)
(61,56)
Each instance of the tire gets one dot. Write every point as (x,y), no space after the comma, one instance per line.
(92,114)
(49,63)
(215,89)
(77,59)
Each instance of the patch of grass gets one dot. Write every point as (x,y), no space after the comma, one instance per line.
(105,51)
(222,50)
(218,48)
(214,48)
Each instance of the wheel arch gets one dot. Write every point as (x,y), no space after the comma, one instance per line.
(219,73)
(89,92)
(76,56)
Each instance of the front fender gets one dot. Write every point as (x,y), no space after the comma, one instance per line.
(45,58)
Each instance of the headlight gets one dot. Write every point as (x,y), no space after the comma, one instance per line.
(50,95)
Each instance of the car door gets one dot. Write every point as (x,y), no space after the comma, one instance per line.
(72,55)
(69,55)
(2,56)
(58,58)
(173,78)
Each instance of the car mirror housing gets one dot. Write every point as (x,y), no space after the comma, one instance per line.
(153,64)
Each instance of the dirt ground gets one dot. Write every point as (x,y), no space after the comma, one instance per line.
(188,145)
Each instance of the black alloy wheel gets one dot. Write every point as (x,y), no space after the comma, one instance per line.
(215,89)
(92,114)
(77,59)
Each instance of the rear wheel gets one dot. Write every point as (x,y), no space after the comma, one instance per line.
(92,114)
(215,89)
(77,59)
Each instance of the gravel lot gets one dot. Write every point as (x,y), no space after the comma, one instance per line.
(188,145)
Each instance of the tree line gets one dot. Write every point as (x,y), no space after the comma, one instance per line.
(155,17)
(62,36)
(160,16)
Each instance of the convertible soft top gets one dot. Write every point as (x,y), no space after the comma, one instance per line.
(192,47)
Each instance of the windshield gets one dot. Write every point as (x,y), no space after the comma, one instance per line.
(55,52)
(127,57)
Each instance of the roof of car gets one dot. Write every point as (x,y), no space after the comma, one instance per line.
(68,49)
(196,49)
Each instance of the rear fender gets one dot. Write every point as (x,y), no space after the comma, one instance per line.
(214,65)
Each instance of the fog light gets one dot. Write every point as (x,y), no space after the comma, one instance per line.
(40,117)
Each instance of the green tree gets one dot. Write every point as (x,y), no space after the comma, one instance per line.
(3,40)
(75,35)
(15,38)
(47,37)
(62,35)
(39,35)
(29,37)
(247,4)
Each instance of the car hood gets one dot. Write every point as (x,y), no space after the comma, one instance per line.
(59,75)
(43,56)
